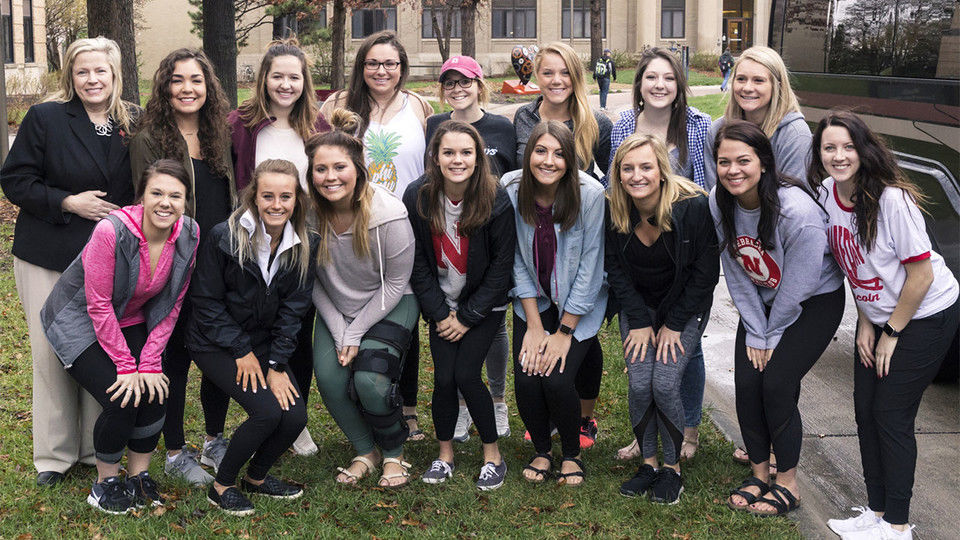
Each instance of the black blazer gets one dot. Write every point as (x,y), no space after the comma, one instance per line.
(489,262)
(692,244)
(57,154)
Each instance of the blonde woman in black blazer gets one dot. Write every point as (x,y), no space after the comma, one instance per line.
(67,169)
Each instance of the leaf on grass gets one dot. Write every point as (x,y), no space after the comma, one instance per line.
(561,524)
(566,505)
(289,514)
(381,504)
(159,511)
(25,536)
(412,522)
(389,519)
(710,519)
(177,528)
(681,536)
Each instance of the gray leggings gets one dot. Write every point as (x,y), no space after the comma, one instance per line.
(654,392)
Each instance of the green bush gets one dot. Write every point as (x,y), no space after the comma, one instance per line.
(624,59)
(704,61)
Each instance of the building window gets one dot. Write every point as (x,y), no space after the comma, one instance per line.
(370,21)
(581,19)
(514,19)
(6,9)
(426,23)
(671,19)
(28,31)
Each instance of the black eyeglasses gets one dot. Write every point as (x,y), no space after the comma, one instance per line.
(450,84)
(373,65)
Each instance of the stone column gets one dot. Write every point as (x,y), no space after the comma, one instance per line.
(709,26)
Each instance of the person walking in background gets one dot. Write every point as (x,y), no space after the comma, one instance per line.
(186,120)
(68,168)
(604,71)
(109,317)
(725,63)
(273,123)
(907,311)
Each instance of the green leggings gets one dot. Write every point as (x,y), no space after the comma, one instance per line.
(371,387)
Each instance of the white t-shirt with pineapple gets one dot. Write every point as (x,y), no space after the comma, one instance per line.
(395,150)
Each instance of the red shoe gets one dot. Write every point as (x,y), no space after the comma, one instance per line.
(526,434)
(588,432)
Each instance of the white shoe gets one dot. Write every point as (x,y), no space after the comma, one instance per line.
(880,531)
(304,445)
(866,520)
(461,433)
(503,419)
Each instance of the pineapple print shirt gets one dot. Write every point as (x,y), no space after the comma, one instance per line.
(395,150)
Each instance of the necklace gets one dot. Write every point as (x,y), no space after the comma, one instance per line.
(105,129)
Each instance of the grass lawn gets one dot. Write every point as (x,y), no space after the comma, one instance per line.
(713,104)
(326,510)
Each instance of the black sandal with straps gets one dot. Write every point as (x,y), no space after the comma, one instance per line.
(782,502)
(543,474)
(415,434)
(753,481)
(562,476)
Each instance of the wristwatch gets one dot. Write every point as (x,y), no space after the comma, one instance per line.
(276,366)
(890,331)
(565,330)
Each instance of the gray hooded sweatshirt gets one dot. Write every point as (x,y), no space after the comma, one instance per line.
(798,265)
(354,293)
(791,148)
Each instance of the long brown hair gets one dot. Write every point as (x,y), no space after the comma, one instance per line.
(214,134)
(481,190)
(257,107)
(677,128)
(358,94)
(878,170)
(566,206)
(343,136)
(245,245)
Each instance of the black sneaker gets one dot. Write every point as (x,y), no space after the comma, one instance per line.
(144,490)
(110,496)
(232,501)
(640,483)
(271,487)
(667,487)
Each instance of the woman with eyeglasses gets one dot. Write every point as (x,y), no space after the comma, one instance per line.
(392,122)
(463,88)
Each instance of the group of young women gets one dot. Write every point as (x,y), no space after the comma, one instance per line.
(284,240)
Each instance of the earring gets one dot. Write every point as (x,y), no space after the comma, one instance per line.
(762,171)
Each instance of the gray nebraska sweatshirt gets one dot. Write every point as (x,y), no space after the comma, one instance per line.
(798,265)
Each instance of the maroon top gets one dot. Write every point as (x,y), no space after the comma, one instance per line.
(545,247)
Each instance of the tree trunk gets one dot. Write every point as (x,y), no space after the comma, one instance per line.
(114,19)
(442,32)
(468,28)
(596,32)
(220,44)
(338,37)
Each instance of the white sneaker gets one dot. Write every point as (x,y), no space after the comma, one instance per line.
(866,520)
(304,445)
(881,530)
(503,419)
(461,433)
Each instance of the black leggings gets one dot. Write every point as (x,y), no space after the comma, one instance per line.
(543,401)
(887,407)
(767,400)
(409,377)
(133,427)
(457,366)
(591,372)
(267,432)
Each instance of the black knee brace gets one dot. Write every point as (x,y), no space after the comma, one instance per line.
(386,363)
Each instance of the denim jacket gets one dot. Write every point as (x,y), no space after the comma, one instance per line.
(580,286)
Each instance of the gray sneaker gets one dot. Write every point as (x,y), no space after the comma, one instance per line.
(438,472)
(213,452)
(492,476)
(185,467)
(503,420)
(461,433)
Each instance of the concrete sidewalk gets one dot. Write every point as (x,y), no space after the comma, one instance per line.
(830,476)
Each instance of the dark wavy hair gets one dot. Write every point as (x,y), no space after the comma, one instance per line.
(770,182)
(566,206)
(677,129)
(481,187)
(358,94)
(214,134)
(878,170)
(168,167)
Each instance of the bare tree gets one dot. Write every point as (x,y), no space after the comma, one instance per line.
(114,19)
(65,21)
(468,27)
(220,43)
(441,17)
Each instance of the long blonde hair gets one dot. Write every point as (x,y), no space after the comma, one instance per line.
(782,98)
(673,188)
(345,125)
(117,109)
(245,245)
(585,128)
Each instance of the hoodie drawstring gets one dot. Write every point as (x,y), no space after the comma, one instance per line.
(383,304)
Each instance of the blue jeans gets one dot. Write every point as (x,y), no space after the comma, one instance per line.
(726,79)
(691,388)
(604,83)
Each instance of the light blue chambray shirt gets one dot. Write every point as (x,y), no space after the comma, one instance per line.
(579,280)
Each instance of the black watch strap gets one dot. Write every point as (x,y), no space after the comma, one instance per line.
(889,330)
(565,330)
(276,366)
